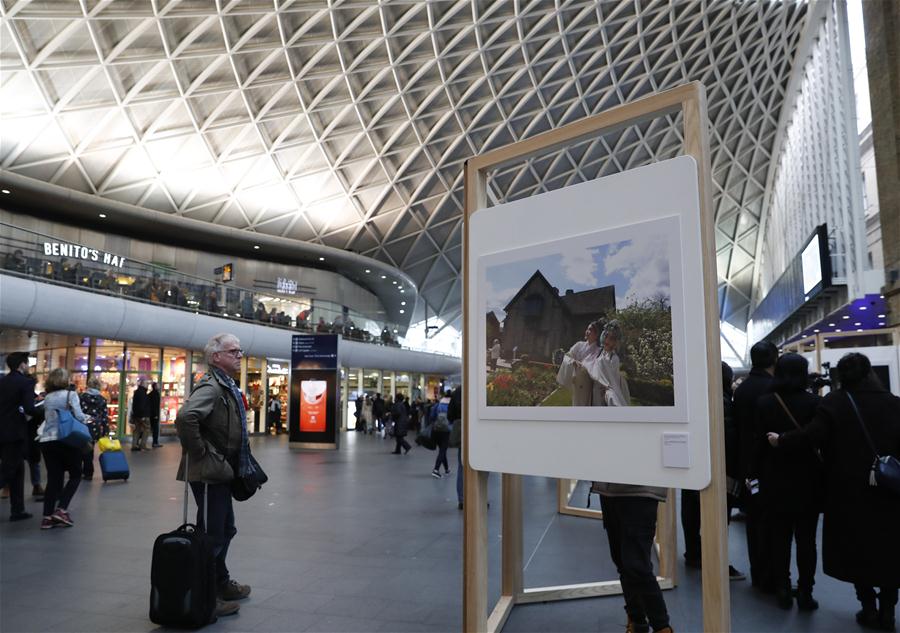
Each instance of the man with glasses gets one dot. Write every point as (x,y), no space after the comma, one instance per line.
(212,427)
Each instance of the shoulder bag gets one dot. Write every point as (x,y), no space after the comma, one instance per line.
(797,424)
(244,487)
(885,470)
(72,431)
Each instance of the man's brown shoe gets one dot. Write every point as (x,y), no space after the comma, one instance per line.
(233,590)
(226,608)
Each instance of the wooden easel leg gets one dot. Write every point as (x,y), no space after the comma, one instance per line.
(667,537)
(513,572)
(475,555)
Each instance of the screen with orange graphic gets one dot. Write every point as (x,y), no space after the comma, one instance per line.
(313,401)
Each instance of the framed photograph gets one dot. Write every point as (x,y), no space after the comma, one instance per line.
(582,326)
(588,348)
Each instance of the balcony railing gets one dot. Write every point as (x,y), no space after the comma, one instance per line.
(31,254)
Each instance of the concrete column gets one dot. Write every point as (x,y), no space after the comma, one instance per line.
(882,23)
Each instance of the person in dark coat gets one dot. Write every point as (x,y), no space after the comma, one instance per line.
(860,529)
(690,499)
(154,396)
(400,416)
(791,481)
(762,357)
(378,411)
(140,416)
(16,401)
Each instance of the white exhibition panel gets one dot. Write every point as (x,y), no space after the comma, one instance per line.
(43,307)
(615,444)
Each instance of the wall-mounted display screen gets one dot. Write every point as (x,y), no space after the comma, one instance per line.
(811,259)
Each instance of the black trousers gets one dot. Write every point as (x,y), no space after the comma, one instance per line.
(799,527)
(758,538)
(866,596)
(220,526)
(442,439)
(12,473)
(154,429)
(87,463)
(400,442)
(690,522)
(630,524)
(60,459)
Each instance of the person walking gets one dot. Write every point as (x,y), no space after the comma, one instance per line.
(441,434)
(140,416)
(367,415)
(791,481)
(212,428)
(378,411)
(455,414)
(59,457)
(154,398)
(273,415)
(629,517)
(16,402)
(93,404)
(859,533)
(400,417)
(762,357)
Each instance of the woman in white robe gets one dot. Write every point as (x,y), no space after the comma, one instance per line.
(573,373)
(604,368)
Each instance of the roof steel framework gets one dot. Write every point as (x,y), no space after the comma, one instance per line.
(346,123)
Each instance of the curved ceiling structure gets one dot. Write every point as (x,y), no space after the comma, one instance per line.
(346,123)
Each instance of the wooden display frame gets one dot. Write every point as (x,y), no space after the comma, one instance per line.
(690,99)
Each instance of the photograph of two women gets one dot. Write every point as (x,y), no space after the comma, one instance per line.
(585,326)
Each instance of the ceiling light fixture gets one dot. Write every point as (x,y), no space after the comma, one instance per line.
(368,271)
(4,190)
(863,308)
(402,311)
(384,277)
(880,316)
(321,259)
(846,316)
(403,303)
(102,215)
(256,247)
(831,325)
(857,323)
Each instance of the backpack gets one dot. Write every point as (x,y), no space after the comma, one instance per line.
(441,421)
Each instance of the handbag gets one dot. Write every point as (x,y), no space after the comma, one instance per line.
(245,486)
(885,470)
(72,431)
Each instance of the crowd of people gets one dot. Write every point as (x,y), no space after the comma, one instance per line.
(232,302)
(792,455)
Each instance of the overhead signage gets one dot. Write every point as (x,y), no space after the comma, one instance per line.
(66,249)
(285,286)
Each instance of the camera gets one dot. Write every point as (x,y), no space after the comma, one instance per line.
(825,379)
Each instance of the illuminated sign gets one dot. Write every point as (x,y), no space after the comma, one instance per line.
(285,286)
(63,249)
(227,272)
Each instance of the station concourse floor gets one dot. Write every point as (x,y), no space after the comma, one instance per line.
(350,540)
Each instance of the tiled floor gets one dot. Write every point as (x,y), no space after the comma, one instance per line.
(354,540)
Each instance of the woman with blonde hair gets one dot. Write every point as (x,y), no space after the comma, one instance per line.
(58,456)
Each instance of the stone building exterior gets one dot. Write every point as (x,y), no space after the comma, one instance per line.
(540,321)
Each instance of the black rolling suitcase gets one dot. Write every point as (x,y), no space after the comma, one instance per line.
(183,575)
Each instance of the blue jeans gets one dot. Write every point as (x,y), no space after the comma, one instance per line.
(221,522)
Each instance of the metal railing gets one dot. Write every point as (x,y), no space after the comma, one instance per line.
(30,254)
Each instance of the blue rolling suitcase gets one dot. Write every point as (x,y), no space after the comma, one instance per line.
(113,465)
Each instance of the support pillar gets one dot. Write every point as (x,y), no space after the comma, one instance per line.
(882,23)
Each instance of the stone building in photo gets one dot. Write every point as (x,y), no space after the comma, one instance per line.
(540,321)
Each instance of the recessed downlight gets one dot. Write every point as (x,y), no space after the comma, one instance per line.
(321,259)
(256,247)
(403,303)
(4,190)
(368,271)
(402,311)
(102,215)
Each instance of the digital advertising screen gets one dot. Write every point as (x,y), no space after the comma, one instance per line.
(313,413)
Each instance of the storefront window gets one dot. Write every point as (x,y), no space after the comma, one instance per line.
(108,358)
(277,372)
(353,389)
(171,386)
(370,380)
(255,395)
(79,359)
(142,359)
(402,385)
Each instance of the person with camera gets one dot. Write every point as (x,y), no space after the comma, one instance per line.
(212,427)
(791,481)
(762,357)
(860,543)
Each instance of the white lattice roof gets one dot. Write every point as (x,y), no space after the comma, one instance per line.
(346,122)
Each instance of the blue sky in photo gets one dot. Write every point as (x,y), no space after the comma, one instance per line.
(638,268)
